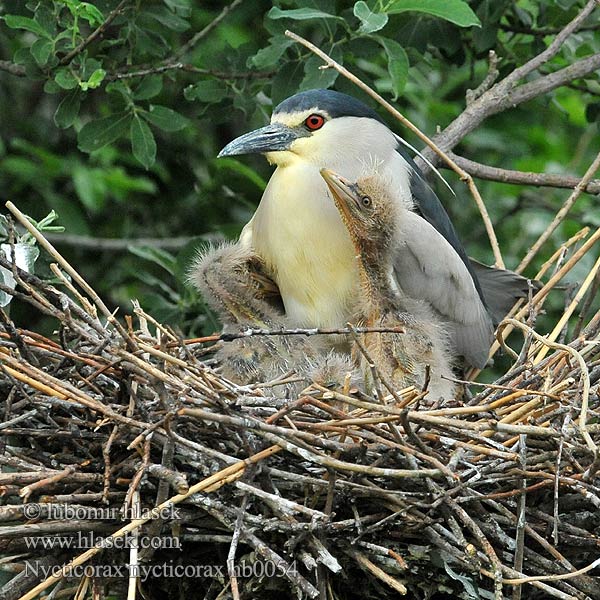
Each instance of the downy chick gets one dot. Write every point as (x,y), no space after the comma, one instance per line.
(372,220)
(228,278)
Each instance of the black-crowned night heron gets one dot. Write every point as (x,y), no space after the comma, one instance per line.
(418,356)
(229,278)
(299,234)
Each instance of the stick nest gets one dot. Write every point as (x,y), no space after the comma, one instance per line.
(328,493)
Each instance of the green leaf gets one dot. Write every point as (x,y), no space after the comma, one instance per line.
(67,110)
(211,90)
(166,119)
(315,77)
(65,79)
(370,21)
(90,187)
(397,64)
(142,142)
(228,163)
(165,17)
(455,11)
(183,7)
(41,50)
(149,87)
(156,255)
(300,14)
(269,56)
(18,22)
(94,80)
(90,13)
(119,87)
(99,133)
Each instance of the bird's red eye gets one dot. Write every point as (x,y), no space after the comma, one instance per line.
(314,122)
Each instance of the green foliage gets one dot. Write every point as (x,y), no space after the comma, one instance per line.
(119,132)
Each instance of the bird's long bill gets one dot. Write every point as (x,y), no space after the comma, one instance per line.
(272,138)
(344,194)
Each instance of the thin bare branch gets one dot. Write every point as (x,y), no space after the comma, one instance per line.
(67,58)
(12,68)
(523,177)
(190,44)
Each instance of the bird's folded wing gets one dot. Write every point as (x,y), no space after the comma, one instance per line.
(427,267)
(501,288)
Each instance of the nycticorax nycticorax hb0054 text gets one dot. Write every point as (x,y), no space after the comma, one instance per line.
(298,232)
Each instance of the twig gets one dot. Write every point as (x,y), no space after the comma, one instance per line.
(122,245)
(564,319)
(523,177)
(585,377)
(12,68)
(233,548)
(143,70)
(521,519)
(464,176)
(250,332)
(189,45)
(489,80)
(392,582)
(561,214)
(46,245)
(227,474)
(560,577)
(67,58)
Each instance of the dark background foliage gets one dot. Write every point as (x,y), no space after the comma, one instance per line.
(120,135)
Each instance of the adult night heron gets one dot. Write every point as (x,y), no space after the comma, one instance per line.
(299,234)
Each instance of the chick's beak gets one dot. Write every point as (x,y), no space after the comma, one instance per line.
(342,191)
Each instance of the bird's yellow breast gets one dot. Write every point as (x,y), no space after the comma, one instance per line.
(298,232)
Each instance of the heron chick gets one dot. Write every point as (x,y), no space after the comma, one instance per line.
(419,356)
(231,279)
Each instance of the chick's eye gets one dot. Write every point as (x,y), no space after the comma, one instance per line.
(366,201)
(314,122)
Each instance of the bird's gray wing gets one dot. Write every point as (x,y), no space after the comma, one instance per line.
(498,288)
(427,267)
(501,288)
(428,205)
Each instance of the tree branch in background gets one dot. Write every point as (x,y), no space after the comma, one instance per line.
(67,58)
(523,177)
(189,45)
(464,176)
(12,68)
(552,50)
(142,71)
(170,63)
(549,82)
(504,94)
(489,80)
(122,245)
(542,31)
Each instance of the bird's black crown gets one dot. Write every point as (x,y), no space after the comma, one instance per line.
(334,103)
